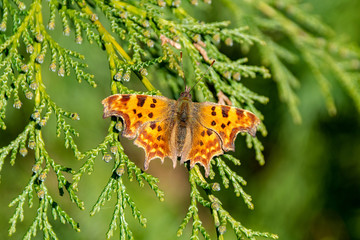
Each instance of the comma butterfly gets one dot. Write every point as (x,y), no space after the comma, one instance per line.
(167,128)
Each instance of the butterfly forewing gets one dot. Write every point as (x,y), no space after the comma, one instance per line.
(135,110)
(227,122)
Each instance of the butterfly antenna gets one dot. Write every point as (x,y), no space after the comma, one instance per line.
(212,63)
(182,67)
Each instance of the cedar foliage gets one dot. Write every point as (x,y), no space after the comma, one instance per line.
(139,36)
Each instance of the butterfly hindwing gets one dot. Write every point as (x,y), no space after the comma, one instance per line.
(205,144)
(136,110)
(227,122)
(154,138)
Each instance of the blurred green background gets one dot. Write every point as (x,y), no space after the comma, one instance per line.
(309,187)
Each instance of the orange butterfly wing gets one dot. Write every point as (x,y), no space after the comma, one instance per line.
(148,118)
(135,110)
(204,145)
(227,122)
(154,138)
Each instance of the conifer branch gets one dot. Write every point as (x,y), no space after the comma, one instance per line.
(142,34)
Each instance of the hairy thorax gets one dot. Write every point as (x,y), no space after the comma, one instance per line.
(183,117)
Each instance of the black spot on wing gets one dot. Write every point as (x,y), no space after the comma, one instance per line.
(125,97)
(141,100)
(240,113)
(225,111)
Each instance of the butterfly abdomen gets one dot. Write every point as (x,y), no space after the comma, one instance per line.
(182,123)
